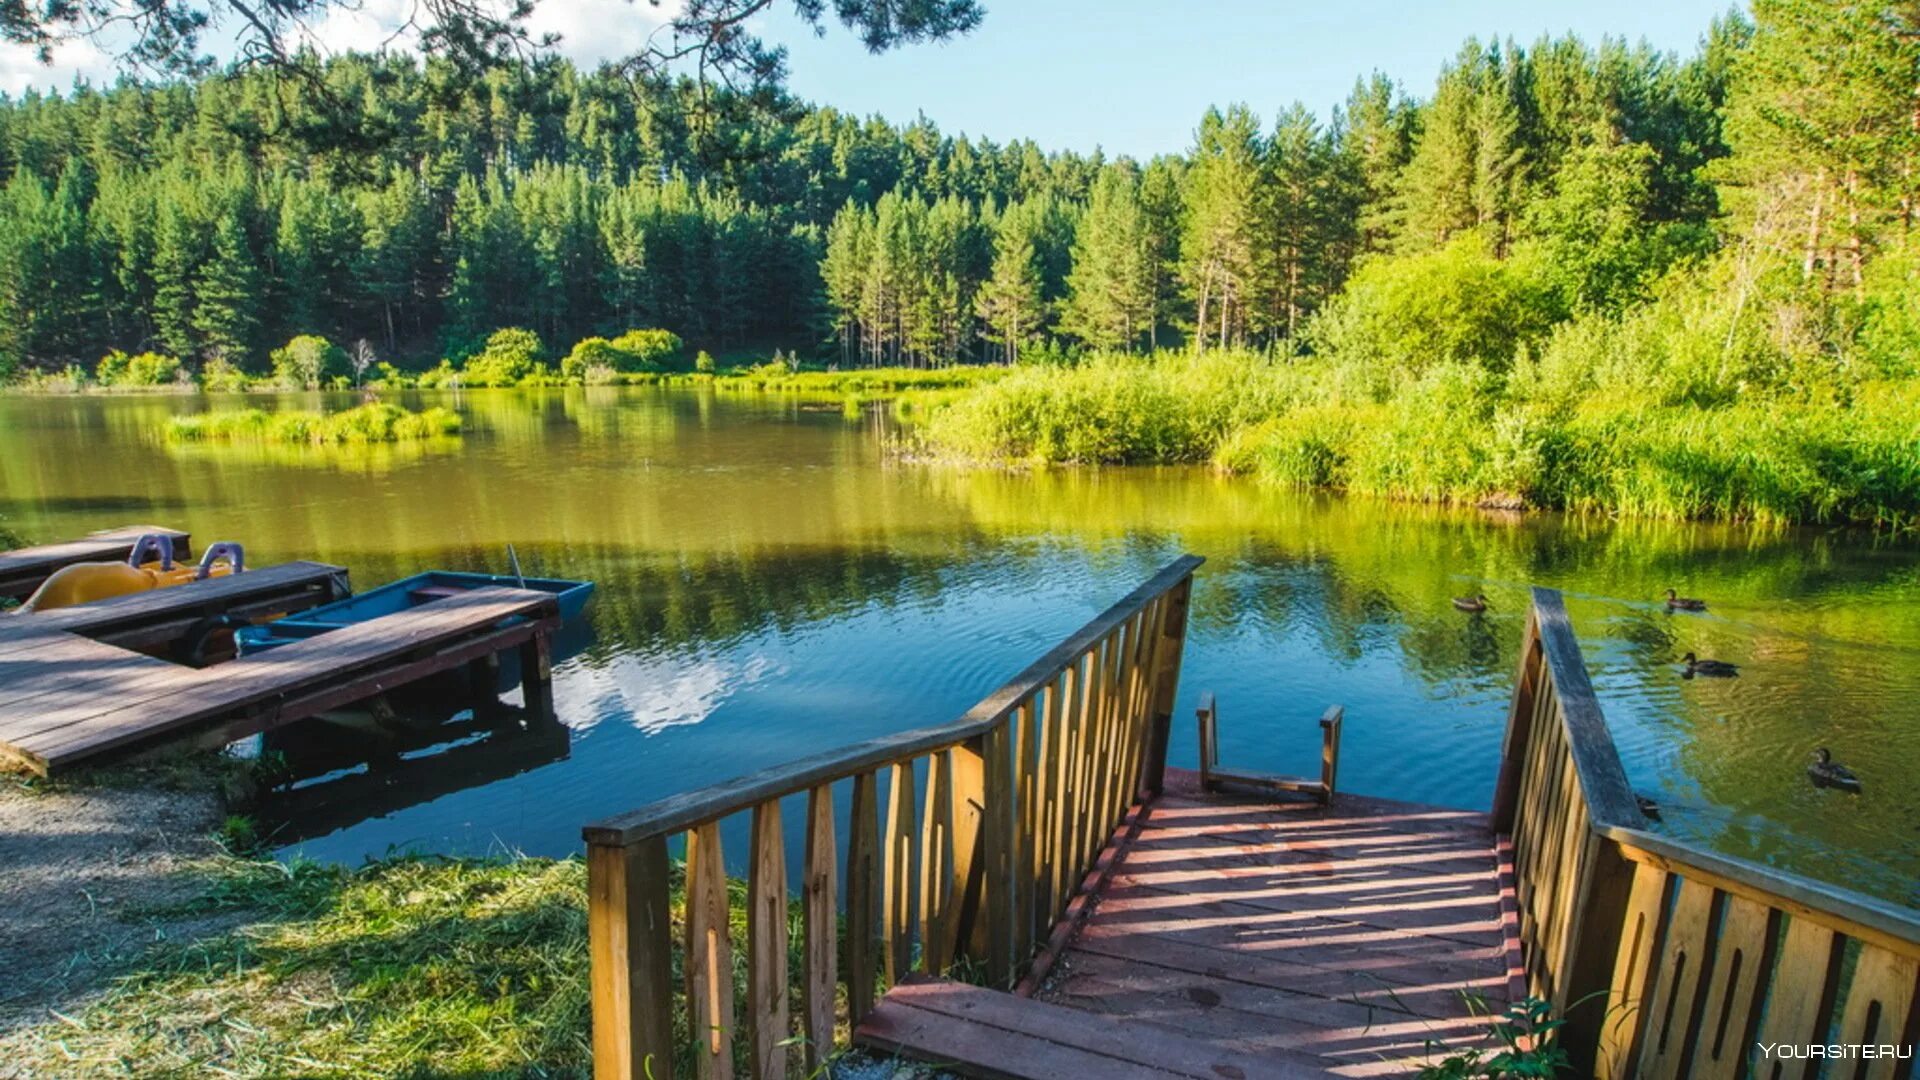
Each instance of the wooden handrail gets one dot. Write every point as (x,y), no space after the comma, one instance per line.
(1667,959)
(1020,794)
(680,812)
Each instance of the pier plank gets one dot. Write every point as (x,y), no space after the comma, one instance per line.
(70,717)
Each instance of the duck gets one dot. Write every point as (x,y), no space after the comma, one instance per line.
(1826,772)
(1648,808)
(1470,603)
(1676,602)
(1718,669)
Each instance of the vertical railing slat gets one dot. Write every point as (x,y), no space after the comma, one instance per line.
(767,1011)
(865,869)
(897,907)
(708,956)
(821,945)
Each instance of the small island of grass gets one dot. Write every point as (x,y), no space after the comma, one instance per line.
(375,422)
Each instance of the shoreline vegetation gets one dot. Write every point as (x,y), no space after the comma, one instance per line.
(373,422)
(1588,276)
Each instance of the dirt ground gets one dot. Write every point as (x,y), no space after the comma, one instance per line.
(78,868)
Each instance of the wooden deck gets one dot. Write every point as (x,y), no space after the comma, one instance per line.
(1232,932)
(153,620)
(69,700)
(22,570)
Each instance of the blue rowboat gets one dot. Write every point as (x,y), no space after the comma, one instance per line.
(402,595)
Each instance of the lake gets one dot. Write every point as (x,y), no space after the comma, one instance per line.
(772,584)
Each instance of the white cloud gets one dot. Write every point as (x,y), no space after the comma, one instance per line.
(20,69)
(591,32)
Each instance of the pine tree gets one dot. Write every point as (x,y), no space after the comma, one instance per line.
(1110,291)
(1010,301)
(1224,243)
(227,290)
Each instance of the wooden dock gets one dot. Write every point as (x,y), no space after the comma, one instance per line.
(157,620)
(22,570)
(70,700)
(1031,894)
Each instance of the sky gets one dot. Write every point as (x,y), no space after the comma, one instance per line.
(1129,76)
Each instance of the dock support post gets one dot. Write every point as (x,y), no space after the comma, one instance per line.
(536,673)
(1166,683)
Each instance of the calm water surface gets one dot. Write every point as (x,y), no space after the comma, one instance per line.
(771,586)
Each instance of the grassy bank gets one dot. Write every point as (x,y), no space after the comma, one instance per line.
(403,967)
(371,423)
(1458,433)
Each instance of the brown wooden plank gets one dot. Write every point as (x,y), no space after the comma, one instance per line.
(1880,1002)
(1685,965)
(22,570)
(767,1016)
(708,956)
(820,981)
(330,657)
(1731,1014)
(937,908)
(1005,841)
(865,863)
(1627,1011)
(896,908)
(1805,984)
(999,1034)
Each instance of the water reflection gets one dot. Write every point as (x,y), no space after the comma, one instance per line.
(769,586)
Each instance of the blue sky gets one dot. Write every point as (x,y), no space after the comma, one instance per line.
(1128,75)
(1134,76)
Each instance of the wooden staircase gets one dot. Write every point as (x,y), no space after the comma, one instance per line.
(988,1033)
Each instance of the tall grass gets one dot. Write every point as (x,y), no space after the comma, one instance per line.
(375,422)
(1460,433)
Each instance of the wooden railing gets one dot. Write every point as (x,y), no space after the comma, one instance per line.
(1664,958)
(1020,796)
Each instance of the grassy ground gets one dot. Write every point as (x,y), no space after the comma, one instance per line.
(414,967)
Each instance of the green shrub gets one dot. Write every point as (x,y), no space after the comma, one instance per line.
(119,370)
(508,357)
(1459,304)
(308,362)
(646,350)
(443,375)
(703,363)
(220,376)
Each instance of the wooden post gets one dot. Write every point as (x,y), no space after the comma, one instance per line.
(1330,725)
(1513,748)
(536,673)
(1593,944)
(1166,685)
(1204,716)
(628,943)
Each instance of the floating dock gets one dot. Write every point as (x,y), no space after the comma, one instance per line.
(22,570)
(74,691)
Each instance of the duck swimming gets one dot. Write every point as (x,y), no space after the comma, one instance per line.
(1648,808)
(1716,669)
(1470,603)
(1826,772)
(1676,602)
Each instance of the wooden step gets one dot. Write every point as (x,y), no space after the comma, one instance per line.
(987,1033)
